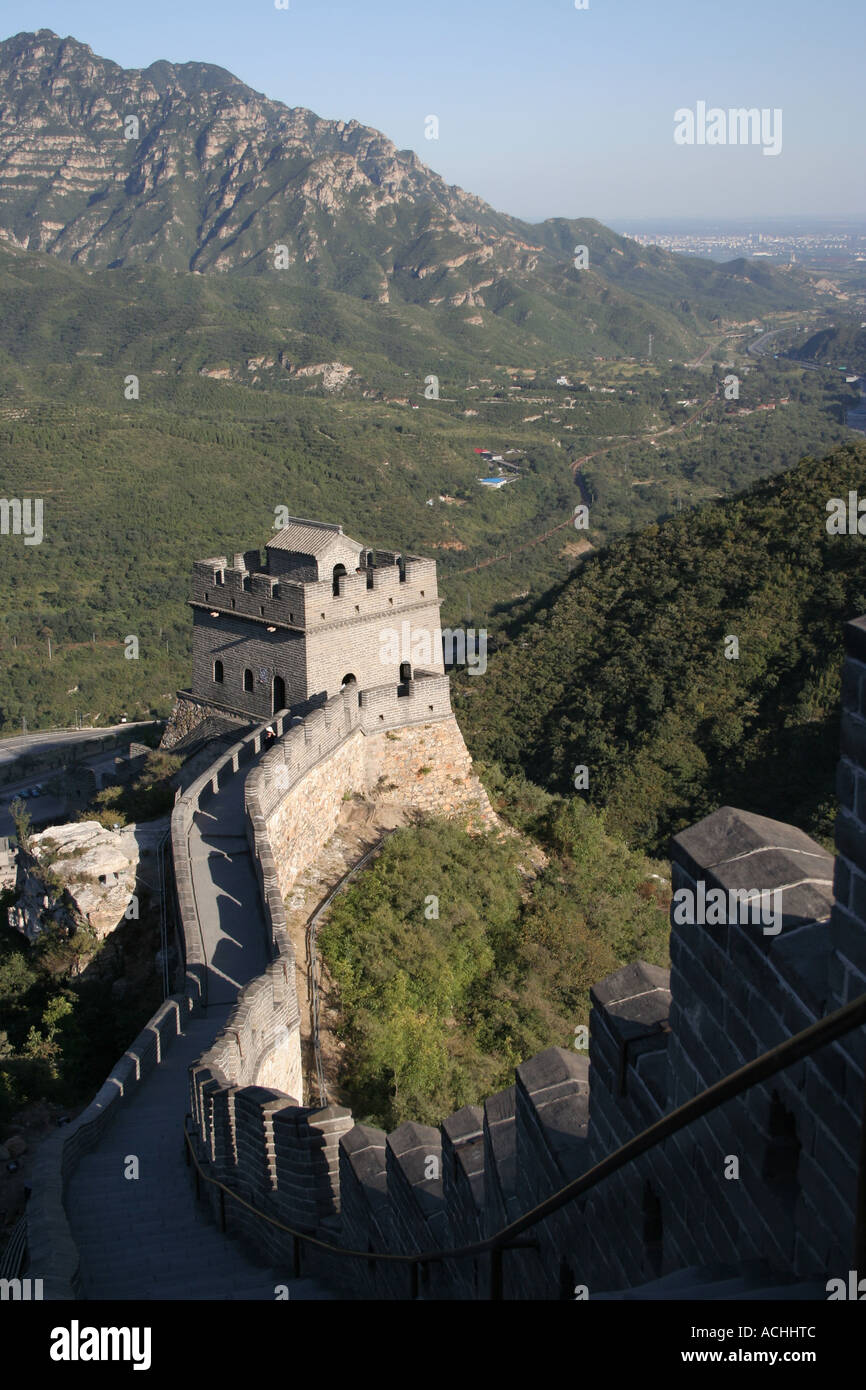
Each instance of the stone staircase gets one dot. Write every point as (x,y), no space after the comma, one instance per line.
(146,1237)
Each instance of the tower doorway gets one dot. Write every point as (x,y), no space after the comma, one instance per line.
(279,695)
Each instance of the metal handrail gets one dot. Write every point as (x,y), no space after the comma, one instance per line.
(794,1049)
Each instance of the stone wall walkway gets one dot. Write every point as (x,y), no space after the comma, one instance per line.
(147,1237)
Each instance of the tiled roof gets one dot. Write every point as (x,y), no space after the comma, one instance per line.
(309,537)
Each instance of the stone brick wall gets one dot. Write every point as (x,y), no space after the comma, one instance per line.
(216,584)
(768,1177)
(245,1090)
(190,712)
(352,646)
(319,636)
(428,765)
(306,819)
(51,1250)
(245,646)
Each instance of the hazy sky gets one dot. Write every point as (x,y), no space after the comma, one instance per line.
(544,109)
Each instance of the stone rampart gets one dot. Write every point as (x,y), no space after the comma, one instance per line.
(766,1182)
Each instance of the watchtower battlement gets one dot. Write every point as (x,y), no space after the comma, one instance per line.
(317,613)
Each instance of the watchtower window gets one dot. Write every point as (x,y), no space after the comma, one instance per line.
(405,671)
(218,673)
(248,584)
(248,679)
(262,609)
(339,572)
(348,680)
(220,577)
(234,603)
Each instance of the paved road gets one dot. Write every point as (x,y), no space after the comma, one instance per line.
(51,810)
(56,738)
(146,1238)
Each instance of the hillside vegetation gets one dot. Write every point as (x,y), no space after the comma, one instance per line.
(623,669)
(135,490)
(843,345)
(452,962)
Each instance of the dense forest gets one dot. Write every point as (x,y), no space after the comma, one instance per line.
(694,664)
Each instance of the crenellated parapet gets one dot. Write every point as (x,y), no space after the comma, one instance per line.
(759,950)
(319,613)
(232,590)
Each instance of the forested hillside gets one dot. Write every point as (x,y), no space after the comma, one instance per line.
(628,668)
(235,416)
(843,345)
(437,1009)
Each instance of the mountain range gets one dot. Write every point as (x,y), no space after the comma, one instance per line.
(184,167)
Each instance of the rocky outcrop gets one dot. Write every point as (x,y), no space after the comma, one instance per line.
(81,873)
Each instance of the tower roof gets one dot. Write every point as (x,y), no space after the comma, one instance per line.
(310,537)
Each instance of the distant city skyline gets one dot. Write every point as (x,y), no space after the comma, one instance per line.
(543,109)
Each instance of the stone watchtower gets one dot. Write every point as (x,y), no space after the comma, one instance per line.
(321,613)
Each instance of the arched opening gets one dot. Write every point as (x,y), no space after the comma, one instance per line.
(405,670)
(348,680)
(248,679)
(218,672)
(339,571)
(653,1230)
(279,698)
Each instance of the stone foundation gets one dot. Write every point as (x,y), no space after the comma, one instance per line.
(189,713)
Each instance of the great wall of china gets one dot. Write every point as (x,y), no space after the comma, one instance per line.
(758,1199)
